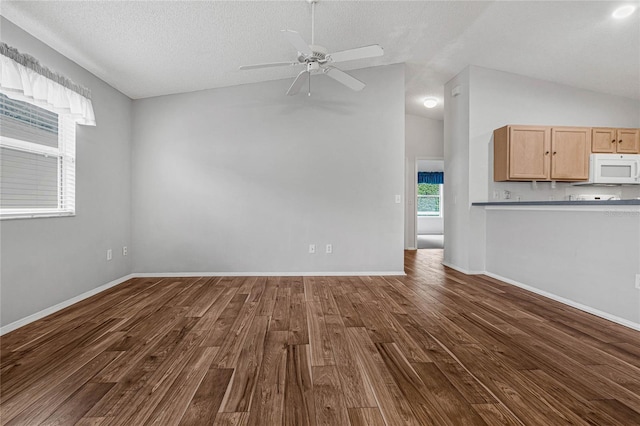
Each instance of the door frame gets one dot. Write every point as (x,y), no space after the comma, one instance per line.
(415,195)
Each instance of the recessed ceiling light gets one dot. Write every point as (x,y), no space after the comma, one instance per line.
(430,102)
(623,12)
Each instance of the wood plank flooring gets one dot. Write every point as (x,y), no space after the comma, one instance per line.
(436,347)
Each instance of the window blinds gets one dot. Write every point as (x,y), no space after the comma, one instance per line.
(37,166)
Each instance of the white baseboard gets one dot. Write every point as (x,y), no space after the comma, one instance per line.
(459,269)
(585,308)
(53,309)
(266,274)
(48,311)
(568,302)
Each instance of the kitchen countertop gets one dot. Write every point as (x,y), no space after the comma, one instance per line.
(561,203)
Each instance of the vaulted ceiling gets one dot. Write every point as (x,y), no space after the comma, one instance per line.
(153,48)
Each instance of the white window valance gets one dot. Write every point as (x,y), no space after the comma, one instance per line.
(24,79)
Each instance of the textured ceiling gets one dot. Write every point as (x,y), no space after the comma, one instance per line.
(152,48)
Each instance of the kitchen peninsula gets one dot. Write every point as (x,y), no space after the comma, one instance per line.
(583,253)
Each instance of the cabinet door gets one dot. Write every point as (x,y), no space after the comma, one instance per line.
(628,141)
(603,140)
(529,152)
(570,153)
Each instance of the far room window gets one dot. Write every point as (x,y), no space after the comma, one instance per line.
(429,199)
(37,161)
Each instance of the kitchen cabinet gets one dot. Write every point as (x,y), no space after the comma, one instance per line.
(527,153)
(611,140)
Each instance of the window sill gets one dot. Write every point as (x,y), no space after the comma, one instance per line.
(33,215)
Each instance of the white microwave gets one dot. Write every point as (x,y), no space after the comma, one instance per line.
(614,169)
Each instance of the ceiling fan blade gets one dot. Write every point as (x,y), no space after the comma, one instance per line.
(269,65)
(344,78)
(300,80)
(297,41)
(357,53)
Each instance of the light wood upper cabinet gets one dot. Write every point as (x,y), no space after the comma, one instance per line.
(522,153)
(603,139)
(610,140)
(628,141)
(526,153)
(570,149)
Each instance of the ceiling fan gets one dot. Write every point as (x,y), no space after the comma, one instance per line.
(317,59)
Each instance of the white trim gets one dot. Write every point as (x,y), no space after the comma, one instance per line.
(415,194)
(48,311)
(464,271)
(53,309)
(7,214)
(24,146)
(266,274)
(580,306)
(568,302)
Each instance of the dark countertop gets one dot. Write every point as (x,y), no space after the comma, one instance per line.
(561,203)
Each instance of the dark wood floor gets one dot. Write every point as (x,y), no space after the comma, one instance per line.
(435,347)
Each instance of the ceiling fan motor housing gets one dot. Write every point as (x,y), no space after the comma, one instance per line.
(318,54)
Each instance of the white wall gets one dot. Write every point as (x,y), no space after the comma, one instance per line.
(243,179)
(456,170)
(424,138)
(430,225)
(46,261)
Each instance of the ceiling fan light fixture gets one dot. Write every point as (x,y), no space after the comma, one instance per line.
(430,102)
(623,11)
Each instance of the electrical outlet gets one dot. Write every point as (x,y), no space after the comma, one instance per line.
(312,248)
(109,254)
(506,195)
(638,281)
(125,251)
(496,195)
(329,249)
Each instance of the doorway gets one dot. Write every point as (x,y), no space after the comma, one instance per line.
(429,206)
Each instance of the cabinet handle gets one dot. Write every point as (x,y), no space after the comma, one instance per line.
(546,153)
(613,141)
(554,152)
(620,141)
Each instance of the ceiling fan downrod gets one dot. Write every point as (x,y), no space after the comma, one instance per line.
(313,20)
(313,37)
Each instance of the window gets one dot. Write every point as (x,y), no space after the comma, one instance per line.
(429,199)
(37,161)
